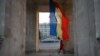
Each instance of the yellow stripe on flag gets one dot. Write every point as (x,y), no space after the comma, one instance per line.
(59,22)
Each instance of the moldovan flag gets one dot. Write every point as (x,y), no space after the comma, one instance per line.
(62,23)
(59,23)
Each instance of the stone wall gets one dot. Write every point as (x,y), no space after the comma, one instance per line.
(84,28)
(15,27)
(2,20)
(31,26)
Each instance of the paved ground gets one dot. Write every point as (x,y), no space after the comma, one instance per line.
(48,49)
(48,53)
(49,45)
(45,54)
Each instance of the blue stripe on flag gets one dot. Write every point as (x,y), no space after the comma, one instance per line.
(52,19)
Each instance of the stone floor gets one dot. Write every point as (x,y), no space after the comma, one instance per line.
(48,53)
(49,45)
(48,49)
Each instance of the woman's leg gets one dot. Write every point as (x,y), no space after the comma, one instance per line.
(61,46)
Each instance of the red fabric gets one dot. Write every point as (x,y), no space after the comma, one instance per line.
(65,23)
(65,26)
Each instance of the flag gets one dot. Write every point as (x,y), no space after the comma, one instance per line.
(59,23)
(52,19)
(62,22)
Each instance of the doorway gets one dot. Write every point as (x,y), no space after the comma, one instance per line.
(46,41)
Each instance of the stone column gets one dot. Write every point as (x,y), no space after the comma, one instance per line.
(84,28)
(97,21)
(97,17)
(15,28)
(31,26)
(2,18)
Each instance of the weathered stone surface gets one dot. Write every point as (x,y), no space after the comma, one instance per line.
(15,28)
(48,53)
(97,17)
(97,21)
(31,26)
(84,28)
(2,16)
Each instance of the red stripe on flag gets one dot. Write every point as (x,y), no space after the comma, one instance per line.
(65,23)
(65,28)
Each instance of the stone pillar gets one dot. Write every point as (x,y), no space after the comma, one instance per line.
(15,28)
(97,21)
(84,28)
(97,17)
(2,18)
(31,26)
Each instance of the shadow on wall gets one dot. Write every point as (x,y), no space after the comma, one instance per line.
(1,41)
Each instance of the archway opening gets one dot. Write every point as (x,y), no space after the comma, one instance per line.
(46,41)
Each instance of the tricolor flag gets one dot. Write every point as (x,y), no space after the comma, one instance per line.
(62,22)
